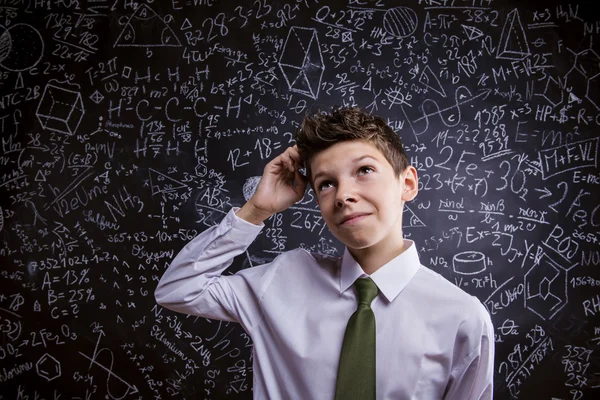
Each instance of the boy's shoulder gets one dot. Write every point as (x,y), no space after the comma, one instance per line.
(327,261)
(441,292)
(295,257)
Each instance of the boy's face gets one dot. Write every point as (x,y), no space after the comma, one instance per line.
(355,177)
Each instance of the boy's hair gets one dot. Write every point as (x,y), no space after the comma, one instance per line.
(323,130)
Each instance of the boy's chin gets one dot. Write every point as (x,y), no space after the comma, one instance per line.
(356,243)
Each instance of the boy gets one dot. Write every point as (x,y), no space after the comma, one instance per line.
(429,339)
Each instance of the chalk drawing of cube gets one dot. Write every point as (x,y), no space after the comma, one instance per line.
(60,110)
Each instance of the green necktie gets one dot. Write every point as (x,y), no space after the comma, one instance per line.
(356,372)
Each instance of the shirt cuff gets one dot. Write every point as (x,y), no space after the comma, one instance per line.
(239,230)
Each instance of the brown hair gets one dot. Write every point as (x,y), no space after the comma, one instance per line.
(322,130)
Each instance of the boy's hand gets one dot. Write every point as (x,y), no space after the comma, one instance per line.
(281,185)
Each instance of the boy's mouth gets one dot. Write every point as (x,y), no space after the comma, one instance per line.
(353,218)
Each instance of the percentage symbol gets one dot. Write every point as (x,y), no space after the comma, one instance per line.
(84,277)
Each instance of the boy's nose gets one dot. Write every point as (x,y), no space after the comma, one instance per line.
(345,194)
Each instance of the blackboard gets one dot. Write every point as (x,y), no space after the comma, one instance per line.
(130,127)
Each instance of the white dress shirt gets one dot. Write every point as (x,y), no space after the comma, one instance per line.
(434,341)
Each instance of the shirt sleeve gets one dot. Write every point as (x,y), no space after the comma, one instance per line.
(473,377)
(193,283)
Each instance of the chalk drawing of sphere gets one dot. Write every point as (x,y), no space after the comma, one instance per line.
(400,22)
(21,47)
(250,186)
(5,43)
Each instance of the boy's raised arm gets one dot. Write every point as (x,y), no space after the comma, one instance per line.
(193,284)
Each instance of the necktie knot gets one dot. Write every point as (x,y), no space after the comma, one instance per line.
(366,291)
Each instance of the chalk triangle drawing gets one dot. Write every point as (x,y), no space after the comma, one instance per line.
(410,219)
(161,183)
(472,32)
(145,28)
(40,176)
(513,42)
(19,81)
(367,85)
(186,25)
(573,98)
(431,81)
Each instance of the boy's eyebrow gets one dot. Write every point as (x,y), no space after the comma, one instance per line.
(354,161)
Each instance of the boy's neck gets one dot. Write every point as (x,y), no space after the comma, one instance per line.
(373,258)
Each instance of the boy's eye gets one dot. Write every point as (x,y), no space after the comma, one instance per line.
(323,183)
(366,167)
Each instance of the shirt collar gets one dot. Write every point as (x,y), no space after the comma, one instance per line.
(391,278)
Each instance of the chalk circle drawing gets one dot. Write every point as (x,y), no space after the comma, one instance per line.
(395,97)
(48,367)
(145,28)
(513,42)
(468,263)
(400,22)
(250,187)
(301,61)
(60,110)
(21,47)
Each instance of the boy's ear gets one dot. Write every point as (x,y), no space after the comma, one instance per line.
(411,183)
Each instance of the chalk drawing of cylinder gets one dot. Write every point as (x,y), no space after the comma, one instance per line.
(60,110)
(468,263)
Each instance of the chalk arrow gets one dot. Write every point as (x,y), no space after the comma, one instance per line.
(545,191)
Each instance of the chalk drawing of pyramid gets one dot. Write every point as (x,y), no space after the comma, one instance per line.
(145,28)
(513,42)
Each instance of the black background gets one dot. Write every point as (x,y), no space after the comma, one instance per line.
(128,128)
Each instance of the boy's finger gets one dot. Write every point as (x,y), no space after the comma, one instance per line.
(295,156)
